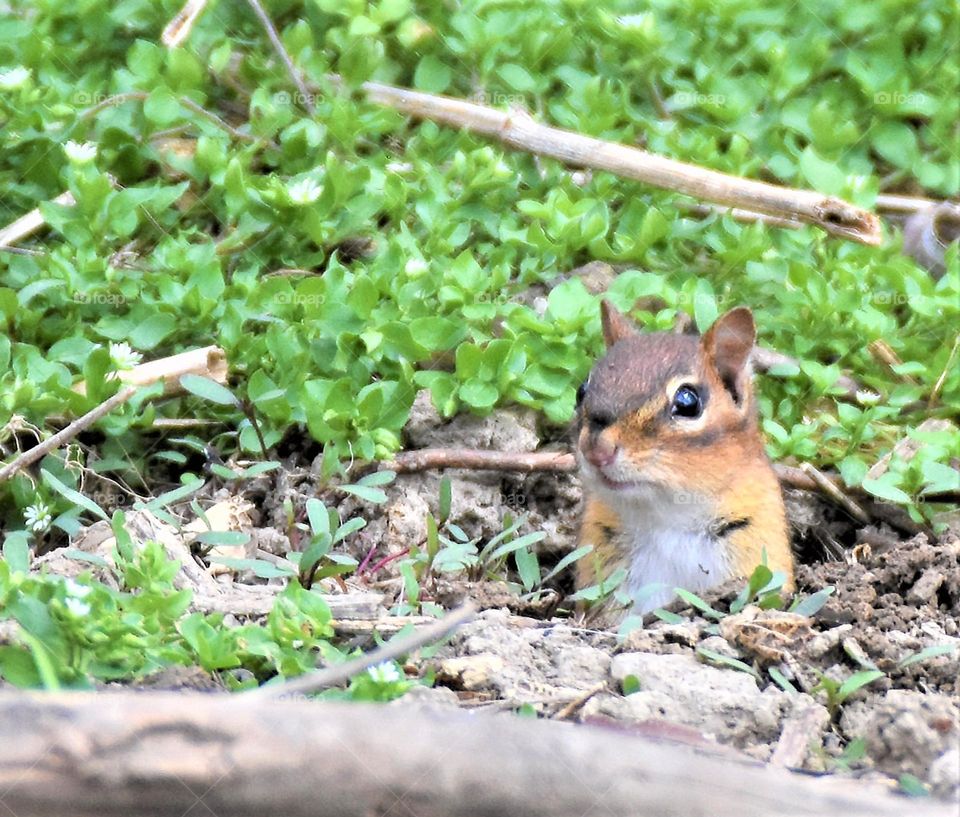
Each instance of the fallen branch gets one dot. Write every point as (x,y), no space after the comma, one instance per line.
(746,216)
(29,223)
(906,205)
(518,130)
(331,676)
(169,754)
(179,28)
(55,441)
(427,459)
(209,361)
(829,488)
(306,98)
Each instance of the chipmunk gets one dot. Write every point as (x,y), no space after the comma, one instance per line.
(678,489)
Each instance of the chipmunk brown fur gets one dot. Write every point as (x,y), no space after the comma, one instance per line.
(678,489)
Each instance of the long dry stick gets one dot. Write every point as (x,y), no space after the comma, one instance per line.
(55,441)
(517,129)
(166,754)
(330,676)
(426,459)
(830,488)
(30,222)
(306,98)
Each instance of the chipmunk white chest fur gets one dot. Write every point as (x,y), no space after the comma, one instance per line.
(670,543)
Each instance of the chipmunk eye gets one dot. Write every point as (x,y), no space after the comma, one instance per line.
(581,392)
(686,403)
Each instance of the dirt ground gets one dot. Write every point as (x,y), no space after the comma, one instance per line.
(895,597)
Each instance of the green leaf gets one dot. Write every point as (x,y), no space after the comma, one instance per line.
(152,331)
(17,666)
(16,552)
(857,681)
(72,496)
(208,389)
(378,478)
(528,567)
(912,786)
(229,538)
(883,488)
(162,108)
(824,176)
(572,557)
(261,568)
(478,394)
(812,604)
(170,497)
(630,684)
(516,76)
(782,681)
(348,527)
(727,661)
(432,75)
(319,517)
(366,493)
(695,601)
(446,498)
(927,653)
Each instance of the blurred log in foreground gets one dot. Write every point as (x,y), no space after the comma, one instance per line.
(170,754)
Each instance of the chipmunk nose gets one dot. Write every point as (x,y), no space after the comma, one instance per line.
(598,450)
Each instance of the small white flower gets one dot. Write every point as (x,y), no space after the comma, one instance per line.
(123,357)
(77,590)
(867,398)
(415,267)
(14,78)
(385,673)
(80,153)
(303,192)
(37,516)
(77,607)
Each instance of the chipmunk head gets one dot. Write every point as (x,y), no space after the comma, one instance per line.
(663,411)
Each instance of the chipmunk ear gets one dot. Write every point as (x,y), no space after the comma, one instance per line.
(615,325)
(727,346)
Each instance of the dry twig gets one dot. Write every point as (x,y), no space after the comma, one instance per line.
(55,441)
(518,130)
(209,361)
(331,676)
(832,490)
(30,222)
(306,98)
(108,754)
